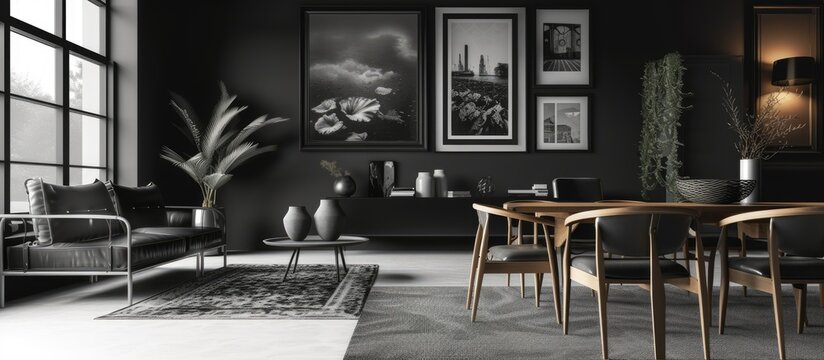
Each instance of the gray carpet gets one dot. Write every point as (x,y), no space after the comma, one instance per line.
(259,292)
(431,323)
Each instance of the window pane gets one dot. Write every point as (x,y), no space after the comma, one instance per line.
(85,85)
(78,176)
(83,23)
(40,13)
(19,174)
(33,68)
(87,140)
(34,132)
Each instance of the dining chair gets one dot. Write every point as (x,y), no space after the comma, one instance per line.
(795,247)
(510,258)
(583,189)
(641,235)
(516,236)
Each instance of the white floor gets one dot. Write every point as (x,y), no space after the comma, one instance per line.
(61,324)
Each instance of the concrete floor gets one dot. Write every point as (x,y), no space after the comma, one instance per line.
(60,323)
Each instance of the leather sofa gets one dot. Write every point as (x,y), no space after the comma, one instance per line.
(100,229)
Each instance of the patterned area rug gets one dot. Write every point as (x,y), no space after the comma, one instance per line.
(259,292)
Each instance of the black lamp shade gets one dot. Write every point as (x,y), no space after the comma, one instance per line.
(793,71)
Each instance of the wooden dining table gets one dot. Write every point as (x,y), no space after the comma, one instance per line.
(708,213)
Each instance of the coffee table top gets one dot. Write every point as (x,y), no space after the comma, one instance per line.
(314,241)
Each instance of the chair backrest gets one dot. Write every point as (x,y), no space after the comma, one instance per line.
(577,189)
(627,231)
(800,235)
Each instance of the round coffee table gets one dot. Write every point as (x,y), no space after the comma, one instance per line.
(315,242)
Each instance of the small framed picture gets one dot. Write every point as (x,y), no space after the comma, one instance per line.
(563,47)
(562,123)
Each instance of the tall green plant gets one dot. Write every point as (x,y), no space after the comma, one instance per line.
(661,108)
(221,145)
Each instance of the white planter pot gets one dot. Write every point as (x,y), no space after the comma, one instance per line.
(750,169)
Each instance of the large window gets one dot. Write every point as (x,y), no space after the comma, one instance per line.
(55,87)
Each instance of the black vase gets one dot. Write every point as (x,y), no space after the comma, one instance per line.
(345,186)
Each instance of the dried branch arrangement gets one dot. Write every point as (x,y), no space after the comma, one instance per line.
(762,135)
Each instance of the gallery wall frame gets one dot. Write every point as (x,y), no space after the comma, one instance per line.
(363,78)
(786,29)
(563,123)
(569,63)
(458,135)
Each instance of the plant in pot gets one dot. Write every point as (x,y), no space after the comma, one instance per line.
(760,135)
(343,185)
(220,145)
(661,108)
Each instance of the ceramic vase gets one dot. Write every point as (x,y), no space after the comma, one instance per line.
(441,187)
(344,186)
(424,185)
(297,223)
(750,169)
(329,219)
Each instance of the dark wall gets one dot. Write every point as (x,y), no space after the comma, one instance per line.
(188,45)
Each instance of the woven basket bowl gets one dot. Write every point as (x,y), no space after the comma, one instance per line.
(714,191)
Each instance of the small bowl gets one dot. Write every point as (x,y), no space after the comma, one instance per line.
(714,191)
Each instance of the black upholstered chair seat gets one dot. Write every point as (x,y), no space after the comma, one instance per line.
(525,252)
(147,250)
(629,268)
(196,238)
(792,267)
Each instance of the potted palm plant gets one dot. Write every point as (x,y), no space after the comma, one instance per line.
(221,145)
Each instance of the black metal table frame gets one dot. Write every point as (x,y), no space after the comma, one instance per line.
(296,255)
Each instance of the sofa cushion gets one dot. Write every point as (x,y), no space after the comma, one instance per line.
(147,250)
(142,206)
(196,238)
(90,199)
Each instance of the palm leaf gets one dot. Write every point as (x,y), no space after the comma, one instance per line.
(195,166)
(216,180)
(186,113)
(230,160)
(214,131)
(250,129)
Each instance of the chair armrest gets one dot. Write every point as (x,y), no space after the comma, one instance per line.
(122,220)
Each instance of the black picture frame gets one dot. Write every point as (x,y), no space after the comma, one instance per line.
(813,96)
(512,83)
(420,141)
(537,66)
(587,124)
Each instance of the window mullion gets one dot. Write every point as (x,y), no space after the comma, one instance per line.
(66,96)
(6,114)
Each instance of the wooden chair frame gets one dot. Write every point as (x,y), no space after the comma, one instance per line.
(518,238)
(771,284)
(482,265)
(655,284)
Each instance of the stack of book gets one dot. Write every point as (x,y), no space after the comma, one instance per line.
(458,194)
(402,192)
(537,190)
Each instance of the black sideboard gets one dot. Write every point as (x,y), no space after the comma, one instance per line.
(415,217)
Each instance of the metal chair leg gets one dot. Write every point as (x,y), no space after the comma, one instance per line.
(225,250)
(129,290)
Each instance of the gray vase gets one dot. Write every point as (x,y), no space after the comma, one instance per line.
(441,189)
(297,223)
(329,219)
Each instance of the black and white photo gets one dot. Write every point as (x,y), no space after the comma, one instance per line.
(562,49)
(363,80)
(480,87)
(562,123)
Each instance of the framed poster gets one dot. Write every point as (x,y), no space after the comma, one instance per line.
(363,79)
(562,47)
(562,123)
(480,76)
